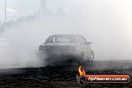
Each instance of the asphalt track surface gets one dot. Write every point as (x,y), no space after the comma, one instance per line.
(63,76)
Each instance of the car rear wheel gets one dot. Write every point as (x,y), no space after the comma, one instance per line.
(92,56)
(87,60)
(85,57)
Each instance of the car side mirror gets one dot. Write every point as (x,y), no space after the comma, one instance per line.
(88,43)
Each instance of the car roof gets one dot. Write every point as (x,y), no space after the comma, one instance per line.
(66,35)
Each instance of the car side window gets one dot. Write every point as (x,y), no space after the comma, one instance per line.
(53,39)
(81,40)
(50,40)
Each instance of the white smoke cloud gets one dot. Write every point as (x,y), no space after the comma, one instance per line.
(12,12)
(105,23)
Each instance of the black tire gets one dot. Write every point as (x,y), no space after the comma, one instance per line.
(92,56)
(87,61)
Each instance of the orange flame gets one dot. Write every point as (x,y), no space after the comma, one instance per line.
(81,71)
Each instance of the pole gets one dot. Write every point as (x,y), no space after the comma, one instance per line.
(5,11)
(43,7)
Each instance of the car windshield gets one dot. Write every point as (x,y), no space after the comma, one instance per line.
(61,39)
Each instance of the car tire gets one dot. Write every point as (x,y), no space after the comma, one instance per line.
(87,60)
(92,56)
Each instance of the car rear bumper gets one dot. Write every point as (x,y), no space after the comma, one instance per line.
(62,56)
(61,53)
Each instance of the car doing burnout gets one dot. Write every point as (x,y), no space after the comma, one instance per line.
(61,47)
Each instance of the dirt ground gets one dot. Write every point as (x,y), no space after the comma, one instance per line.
(62,76)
